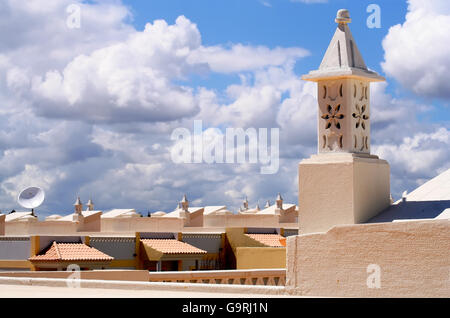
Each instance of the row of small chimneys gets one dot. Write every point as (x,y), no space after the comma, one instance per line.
(279,203)
(182,205)
(79,206)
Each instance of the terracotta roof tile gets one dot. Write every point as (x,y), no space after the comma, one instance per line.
(172,246)
(71,252)
(272,240)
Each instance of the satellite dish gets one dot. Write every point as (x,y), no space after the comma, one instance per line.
(31,197)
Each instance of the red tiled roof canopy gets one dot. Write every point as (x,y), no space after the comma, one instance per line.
(272,240)
(172,246)
(71,252)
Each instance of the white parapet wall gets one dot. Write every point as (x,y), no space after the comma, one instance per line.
(110,274)
(263,277)
(40,228)
(400,259)
(143,224)
(128,285)
(240,220)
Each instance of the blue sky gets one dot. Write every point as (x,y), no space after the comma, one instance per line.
(284,23)
(88,111)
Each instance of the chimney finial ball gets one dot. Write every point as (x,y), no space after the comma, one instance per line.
(343,16)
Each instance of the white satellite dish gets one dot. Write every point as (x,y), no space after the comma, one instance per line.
(31,197)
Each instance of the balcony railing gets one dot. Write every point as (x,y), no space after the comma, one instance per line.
(265,277)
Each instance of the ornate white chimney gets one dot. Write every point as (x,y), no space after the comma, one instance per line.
(78,215)
(90,205)
(343,183)
(343,83)
(185,204)
(78,206)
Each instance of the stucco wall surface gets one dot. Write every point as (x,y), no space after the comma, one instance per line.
(260,257)
(236,220)
(403,259)
(143,224)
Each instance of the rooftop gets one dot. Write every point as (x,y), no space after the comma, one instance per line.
(119,213)
(436,189)
(172,246)
(16,216)
(84,213)
(428,201)
(71,252)
(271,240)
(176,213)
(271,209)
(213,208)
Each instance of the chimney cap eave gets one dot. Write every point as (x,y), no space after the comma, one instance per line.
(78,202)
(348,72)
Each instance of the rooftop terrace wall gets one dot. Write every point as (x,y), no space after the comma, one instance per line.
(408,259)
(240,220)
(40,228)
(144,224)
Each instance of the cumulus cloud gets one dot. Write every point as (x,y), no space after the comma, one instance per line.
(128,81)
(134,80)
(240,58)
(257,101)
(417,53)
(299,113)
(420,151)
(36,36)
(416,159)
(416,150)
(30,173)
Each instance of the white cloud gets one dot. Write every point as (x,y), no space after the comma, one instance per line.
(416,150)
(418,153)
(417,53)
(133,80)
(35,33)
(256,101)
(127,81)
(298,115)
(240,58)
(416,159)
(30,175)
